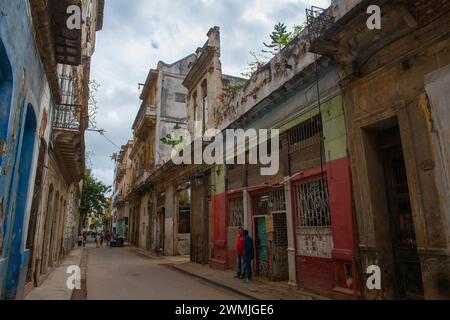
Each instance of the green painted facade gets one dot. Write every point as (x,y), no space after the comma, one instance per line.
(334,128)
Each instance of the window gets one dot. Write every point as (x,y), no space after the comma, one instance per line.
(196,118)
(184,211)
(236,212)
(313,204)
(314,237)
(180,97)
(205,105)
(305,134)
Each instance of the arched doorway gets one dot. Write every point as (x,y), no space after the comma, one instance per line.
(23,176)
(6,85)
(47,231)
(53,231)
(35,212)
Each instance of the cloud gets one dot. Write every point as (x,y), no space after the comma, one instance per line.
(137,34)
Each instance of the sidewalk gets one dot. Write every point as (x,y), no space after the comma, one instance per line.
(159,259)
(257,290)
(54,287)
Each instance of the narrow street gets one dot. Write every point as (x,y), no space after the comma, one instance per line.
(121,274)
(224,150)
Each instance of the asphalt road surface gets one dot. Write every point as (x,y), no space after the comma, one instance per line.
(122,274)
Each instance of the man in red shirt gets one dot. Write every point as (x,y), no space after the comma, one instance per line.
(240,251)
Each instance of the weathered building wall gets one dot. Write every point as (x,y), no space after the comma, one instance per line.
(390,94)
(24,74)
(436,86)
(171,104)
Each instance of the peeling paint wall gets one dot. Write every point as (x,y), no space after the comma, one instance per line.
(437,86)
(18,39)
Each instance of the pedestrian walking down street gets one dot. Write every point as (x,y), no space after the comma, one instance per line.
(101,239)
(80,240)
(108,239)
(249,255)
(97,240)
(84,239)
(240,249)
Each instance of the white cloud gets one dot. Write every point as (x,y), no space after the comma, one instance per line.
(125,51)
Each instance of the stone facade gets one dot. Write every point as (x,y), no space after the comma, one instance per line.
(40,195)
(363,176)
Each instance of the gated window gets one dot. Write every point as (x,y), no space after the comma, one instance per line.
(270,202)
(313,204)
(236,212)
(277,201)
(314,237)
(184,220)
(305,134)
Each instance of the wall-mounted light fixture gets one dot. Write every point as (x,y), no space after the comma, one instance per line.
(199,178)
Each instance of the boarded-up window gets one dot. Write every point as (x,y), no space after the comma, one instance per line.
(314,237)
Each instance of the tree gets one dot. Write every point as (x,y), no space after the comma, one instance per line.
(94,197)
(171,139)
(280,37)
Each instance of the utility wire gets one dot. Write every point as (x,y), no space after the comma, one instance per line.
(102,133)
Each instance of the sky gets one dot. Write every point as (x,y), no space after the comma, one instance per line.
(137,34)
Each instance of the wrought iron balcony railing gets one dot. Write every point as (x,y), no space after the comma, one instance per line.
(318,21)
(67,117)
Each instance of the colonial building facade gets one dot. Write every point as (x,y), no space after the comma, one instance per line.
(44,92)
(364,161)
(394,112)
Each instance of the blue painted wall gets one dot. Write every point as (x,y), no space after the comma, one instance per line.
(19,51)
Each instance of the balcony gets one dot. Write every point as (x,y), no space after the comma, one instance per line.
(145,119)
(68,136)
(139,182)
(67,117)
(119,200)
(56,43)
(121,170)
(319,21)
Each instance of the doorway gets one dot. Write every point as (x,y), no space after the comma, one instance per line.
(161,226)
(35,210)
(408,271)
(262,247)
(24,180)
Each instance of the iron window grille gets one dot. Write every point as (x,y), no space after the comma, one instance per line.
(305,134)
(313,206)
(277,202)
(184,220)
(236,212)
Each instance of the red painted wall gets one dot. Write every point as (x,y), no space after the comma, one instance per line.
(219,258)
(316,274)
(344,236)
(328,276)
(340,201)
